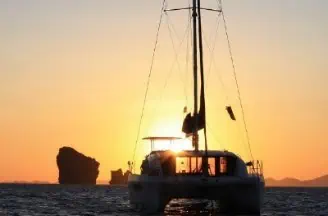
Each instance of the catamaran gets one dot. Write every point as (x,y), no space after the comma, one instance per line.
(218,175)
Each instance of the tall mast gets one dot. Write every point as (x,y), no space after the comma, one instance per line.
(195,61)
(201,61)
(202,96)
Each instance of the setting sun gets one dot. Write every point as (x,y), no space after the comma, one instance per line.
(169,126)
(181,145)
(175,144)
(129,105)
(166,134)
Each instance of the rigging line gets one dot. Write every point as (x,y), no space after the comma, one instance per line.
(212,62)
(237,84)
(187,53)
(219,4)
(175,61)
(242,138)
(222,83)
(169,22)
(148,80)
(189,48)
(176,51)
(213,48)
(215,137)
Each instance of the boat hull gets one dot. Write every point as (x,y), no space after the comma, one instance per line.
(234,194)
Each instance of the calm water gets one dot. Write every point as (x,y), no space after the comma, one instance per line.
(105,200)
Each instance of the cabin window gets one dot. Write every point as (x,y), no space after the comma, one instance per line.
(196,164)
(223,165)
(183,165)
(168,164)
(211,166)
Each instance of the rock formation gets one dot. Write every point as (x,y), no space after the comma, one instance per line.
(117,177)
(293,182)
(76,168)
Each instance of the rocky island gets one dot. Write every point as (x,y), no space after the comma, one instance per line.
(118,177)
(76,168)
(321,181)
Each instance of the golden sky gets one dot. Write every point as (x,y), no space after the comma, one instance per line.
(74,73)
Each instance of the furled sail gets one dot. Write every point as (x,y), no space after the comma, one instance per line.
(196,122)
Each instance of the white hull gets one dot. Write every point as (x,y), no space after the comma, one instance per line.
(234,194)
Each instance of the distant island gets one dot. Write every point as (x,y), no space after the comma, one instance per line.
(118,177)
(293,182)
(27,182)
(76,168)
(270,182)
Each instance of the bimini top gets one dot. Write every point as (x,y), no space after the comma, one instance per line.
(210,153)
(162,143)
(200,153)
(161,138)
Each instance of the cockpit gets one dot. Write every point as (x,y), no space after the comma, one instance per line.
(187,163)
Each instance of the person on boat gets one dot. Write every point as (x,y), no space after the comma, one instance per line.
(155,166)
(144,166)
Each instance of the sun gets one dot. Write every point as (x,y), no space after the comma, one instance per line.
(169,127)
(181,145)
(176,145)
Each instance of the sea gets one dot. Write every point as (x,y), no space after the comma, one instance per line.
(52,199)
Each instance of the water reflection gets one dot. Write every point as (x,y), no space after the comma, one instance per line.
(185,207)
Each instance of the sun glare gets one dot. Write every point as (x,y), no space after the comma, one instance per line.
(166,128)
(174,145)
(180,145)
(169,128)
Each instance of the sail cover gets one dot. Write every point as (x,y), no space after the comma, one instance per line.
(196,122)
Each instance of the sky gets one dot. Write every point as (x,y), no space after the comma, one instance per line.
(73,73)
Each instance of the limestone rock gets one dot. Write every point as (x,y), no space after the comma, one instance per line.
(117,177)
(76,168)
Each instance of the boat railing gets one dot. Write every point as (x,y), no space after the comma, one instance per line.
(255,167)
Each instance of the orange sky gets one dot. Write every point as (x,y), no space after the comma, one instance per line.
(74,74)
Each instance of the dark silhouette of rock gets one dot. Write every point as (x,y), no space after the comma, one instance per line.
(285,182)
(317,182)
(76,168)
(292,182)
(117,177)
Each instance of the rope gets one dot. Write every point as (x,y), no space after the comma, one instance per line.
(148,80)
(213,48)
(176,51)
(237,84)
(187,54)
(215,137)
(212,61)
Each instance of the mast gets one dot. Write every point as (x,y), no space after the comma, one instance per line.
(195,61)
(202,94)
